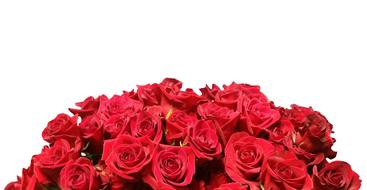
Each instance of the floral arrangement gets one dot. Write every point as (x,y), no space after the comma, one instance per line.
(161,137)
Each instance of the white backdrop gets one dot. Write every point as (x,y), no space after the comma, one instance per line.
(53,54)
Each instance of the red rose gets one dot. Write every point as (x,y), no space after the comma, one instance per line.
(282,132)
(118,105)
(285,171)
(176,124)
(62,127)
(223,116)
(28,181)
(230,96)
(244,156)
(233,186)
(172,167)
(258,116)
(313,139)
(79,175)
(209,93)
(126,156)
(88,107)
(147,124)
(49,163)
(149,94)
(336,175)
(117,124)
(203,139)
(92,134)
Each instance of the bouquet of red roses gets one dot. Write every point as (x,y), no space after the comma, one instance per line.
(161,137)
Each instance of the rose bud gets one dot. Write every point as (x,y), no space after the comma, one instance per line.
(204,141)
(49,163)
(285,171)
(62,127)
(172,167)
(244,156)
(336,175)
(79,175)
(126,156)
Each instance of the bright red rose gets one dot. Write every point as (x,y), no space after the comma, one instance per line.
(49,163)
(176,124)
(28,181)
(147,124)
(126,156)
(118,105)
(88,107)
(62,127)
(336,175)
(79,175)
(258,116)
(282,132)
(117,124)
(285,171)
(204,141)
(224,117)
(233,186)
(149,94)
(244,156)
(172,166)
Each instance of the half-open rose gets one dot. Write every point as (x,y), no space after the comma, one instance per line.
(61,127)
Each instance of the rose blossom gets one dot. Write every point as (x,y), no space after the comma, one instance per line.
(61,127)
(79,175)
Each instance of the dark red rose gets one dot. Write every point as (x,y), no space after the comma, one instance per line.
(79,175)
(285,171)
(147,124)
(204,141)
(177,122)
(88,107)
(313,134)
(49,163)
(118,105)
(172,166)
(92,134)
(336,175)
(244,156)
(233,186)
(149,94)
(62,127)
(217,179)
(258,116)
(126,156)
(226,118)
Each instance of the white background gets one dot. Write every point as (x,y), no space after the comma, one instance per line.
(53,54)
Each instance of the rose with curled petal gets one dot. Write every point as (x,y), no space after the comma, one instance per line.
(336,175)
(49,163)
(226,118)
(61,127)
(79,175)
(173,167)
(244,157)
(88,107)
(285,171)
(126,156)
(204,141)
(209,93)
(147,124)
(149,94)
(176,124)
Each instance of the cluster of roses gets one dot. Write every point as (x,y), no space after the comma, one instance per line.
(161,137)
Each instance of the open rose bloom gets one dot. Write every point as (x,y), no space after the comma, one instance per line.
(162,137)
